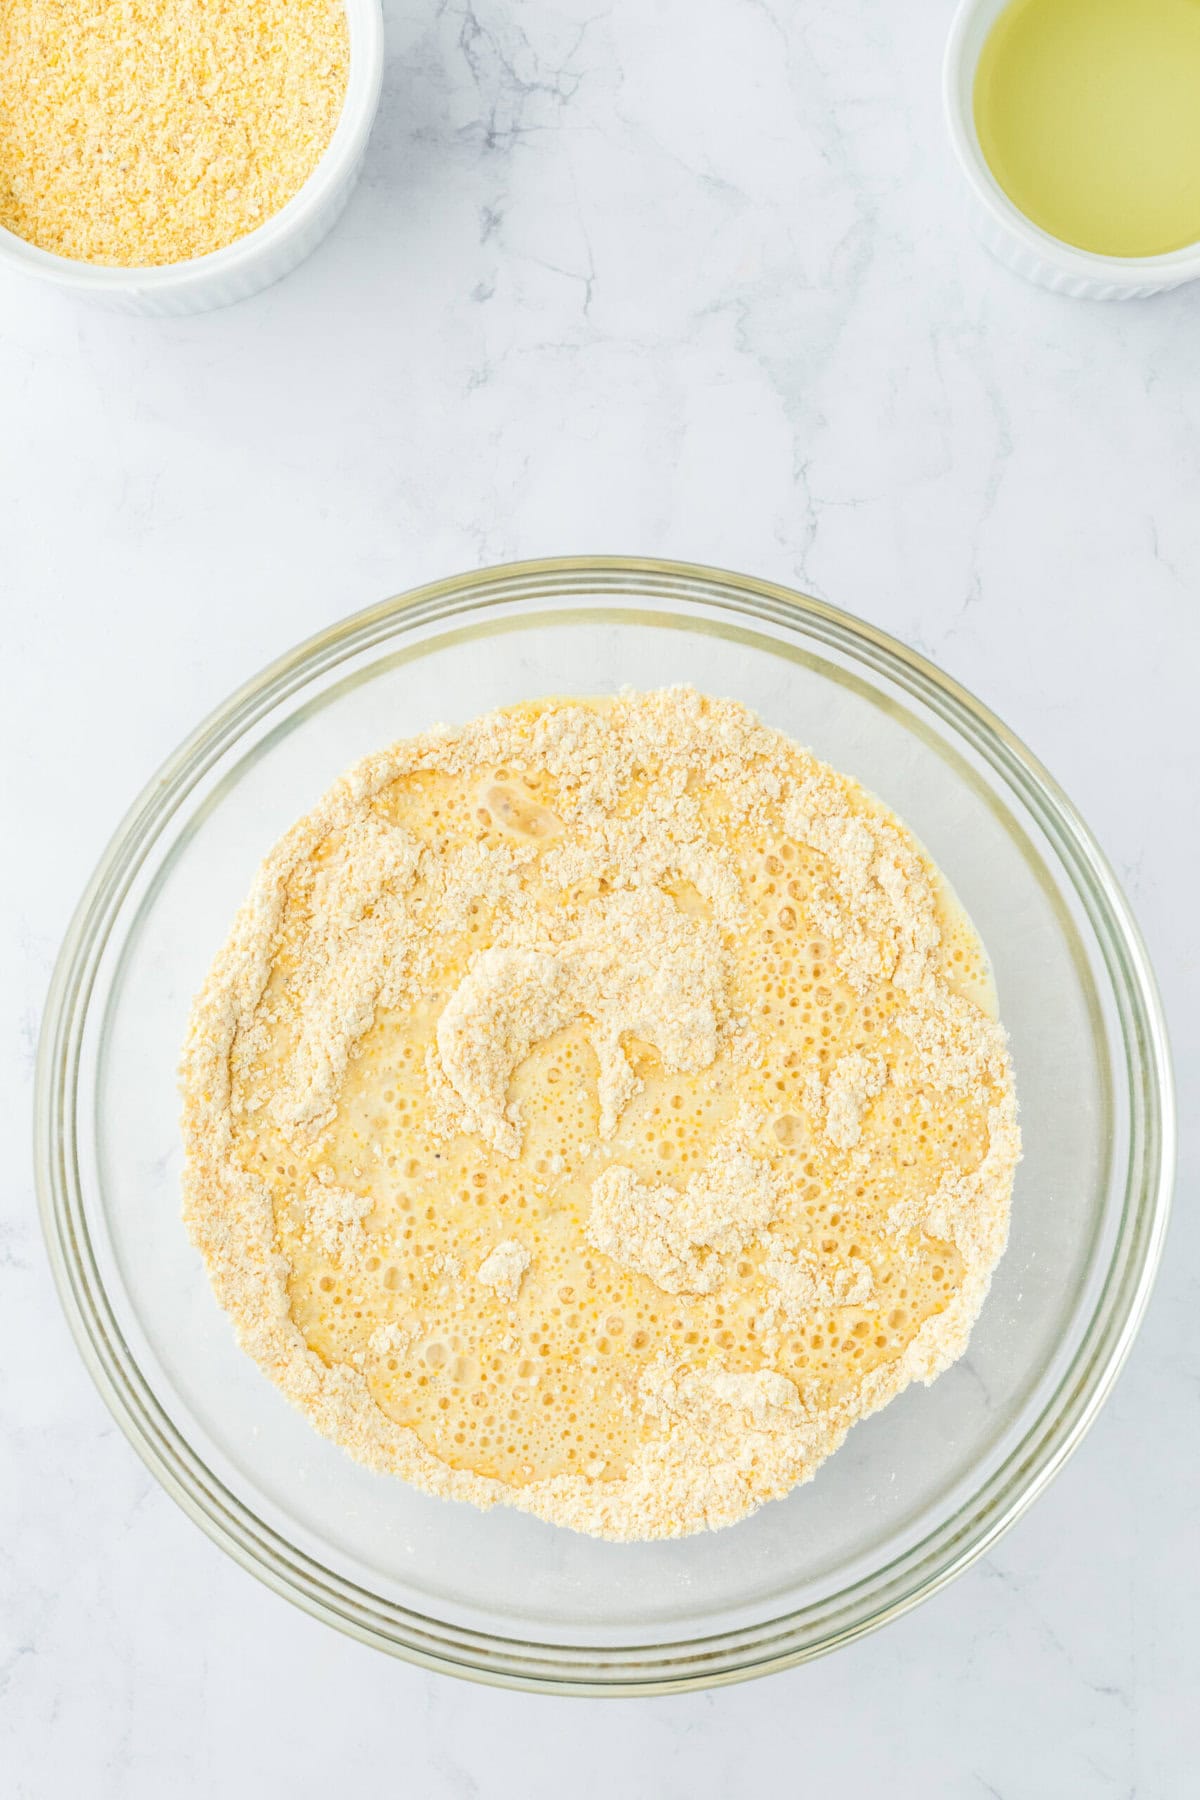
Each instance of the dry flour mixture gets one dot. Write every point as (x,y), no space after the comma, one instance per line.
(598,1108)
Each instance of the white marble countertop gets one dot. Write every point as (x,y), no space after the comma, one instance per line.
(653,277)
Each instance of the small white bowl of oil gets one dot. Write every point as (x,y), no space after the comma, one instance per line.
(1077,125)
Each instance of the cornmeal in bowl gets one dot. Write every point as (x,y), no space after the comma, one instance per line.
(597,1108)
(138,133)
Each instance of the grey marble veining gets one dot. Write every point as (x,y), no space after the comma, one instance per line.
(645,277)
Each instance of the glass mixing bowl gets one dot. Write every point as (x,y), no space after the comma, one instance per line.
(918,1491)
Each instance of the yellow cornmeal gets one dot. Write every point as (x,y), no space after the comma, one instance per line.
(598,1108)
(141,132)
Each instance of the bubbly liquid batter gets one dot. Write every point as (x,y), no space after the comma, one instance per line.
(388,1200)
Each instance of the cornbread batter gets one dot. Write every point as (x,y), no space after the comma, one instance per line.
(598,1108)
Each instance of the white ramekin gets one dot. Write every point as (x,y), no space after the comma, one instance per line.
(262,256)
(1012,238)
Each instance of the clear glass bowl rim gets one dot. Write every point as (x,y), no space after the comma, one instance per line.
(690,1663)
